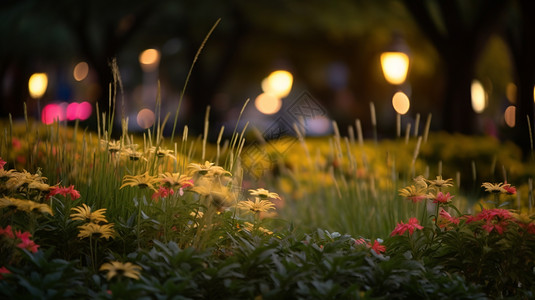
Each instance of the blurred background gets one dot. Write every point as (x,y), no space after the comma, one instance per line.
(471,64)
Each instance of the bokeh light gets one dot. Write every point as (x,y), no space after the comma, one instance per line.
(395,66)
(80,71)
(37,85)
(479,97)
(510,92)
(278,83)
(509,116)
(401,103)
(52,113)
(145,118)
(267,103)
(149,60)
(78,111)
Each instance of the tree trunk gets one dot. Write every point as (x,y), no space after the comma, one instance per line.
(458,115)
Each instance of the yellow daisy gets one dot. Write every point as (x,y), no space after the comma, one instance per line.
(112,146)
(175,179)
(257,205)
(84,213)
(204,169)
(142,181)
(38,207)
(413,193)
(116,268)
(159,152)
(264,194)
(493,187)
(439,182)
(95,230)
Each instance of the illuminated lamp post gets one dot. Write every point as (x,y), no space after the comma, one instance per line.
(395,66)
(37,85)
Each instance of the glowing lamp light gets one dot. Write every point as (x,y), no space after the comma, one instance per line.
(37,85)
(268,104)
(509,116)
(80,71)
(278,83)
(149,60)
(395,66)
(479,97)
(401,103)
(145,118)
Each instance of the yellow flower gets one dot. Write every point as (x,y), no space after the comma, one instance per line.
(6,173)
(207,167)
(159,152)
(132,154)
(142,181)
(19,179)
(218,195)
(250,227)
(493,187)
(12,203)
(175,179)
(257,205)
(416,194)
(112,146)
(264,194)
(116,268)
(84,213)
(439,182)
(24,205)
(38,207)
(98,231)
(35,185)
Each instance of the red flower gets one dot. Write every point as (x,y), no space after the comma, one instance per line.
(162,192)
(449,219)
(26,243)
(7,232)
(498,226)
(74,194)
(16,143)
(4,270)
(511,190)
(410,226)
(2,163)
(378,248)
(441,198)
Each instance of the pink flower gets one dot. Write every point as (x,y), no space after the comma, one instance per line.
(26,243)
(444,215)
(441,198)
(4,270)
(2,163)
(511,190)
(58,190)
(412,225)
(7,232)
(378,248)
(493,225)
(162,192)
(23,236)
(360,241)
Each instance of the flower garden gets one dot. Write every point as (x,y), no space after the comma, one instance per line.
(114,216)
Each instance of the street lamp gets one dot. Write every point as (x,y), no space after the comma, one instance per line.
(37,85)
(395,67)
